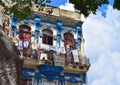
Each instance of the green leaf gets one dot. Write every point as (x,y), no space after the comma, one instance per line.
(87,6)
(21,9)
(116,4)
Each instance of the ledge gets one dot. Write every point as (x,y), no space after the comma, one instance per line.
(33,63)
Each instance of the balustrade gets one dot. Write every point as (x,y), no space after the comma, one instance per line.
(49,54)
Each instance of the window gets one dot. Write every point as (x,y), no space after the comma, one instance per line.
(25,40)
(25,33)
(47,37)
(27,81)
(68,39)
(69,45)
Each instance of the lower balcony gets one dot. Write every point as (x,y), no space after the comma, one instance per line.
(78,67)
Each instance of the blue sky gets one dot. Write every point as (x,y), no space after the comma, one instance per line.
(57,2)
(102,37)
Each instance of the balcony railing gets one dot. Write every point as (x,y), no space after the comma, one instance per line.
(48,54)
(47,47)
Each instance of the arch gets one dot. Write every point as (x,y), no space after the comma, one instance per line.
(65,31)
(22,23)
(25,28)
(51,28)
(68,35)
(47,32)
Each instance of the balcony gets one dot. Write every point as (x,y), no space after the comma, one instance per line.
(81,66)
(51,55)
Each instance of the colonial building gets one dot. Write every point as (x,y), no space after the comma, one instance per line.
(52,45)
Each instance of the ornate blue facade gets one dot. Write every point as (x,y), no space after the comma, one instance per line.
(52,46)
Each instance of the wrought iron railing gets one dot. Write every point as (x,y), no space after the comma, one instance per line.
(52,55)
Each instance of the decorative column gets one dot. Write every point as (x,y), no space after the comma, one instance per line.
(59,30)
(37,26)
(55,40)
(80,41)
(79,35)
(32,37)
(40,38)
(62,43)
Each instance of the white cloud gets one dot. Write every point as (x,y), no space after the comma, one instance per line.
(67,6)
(102,37)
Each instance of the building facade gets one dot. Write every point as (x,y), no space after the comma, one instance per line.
(52,45)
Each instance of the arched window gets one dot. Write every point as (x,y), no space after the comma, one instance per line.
(69,40)
(25,33)
(69,45)
(47,37)
(25,39)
